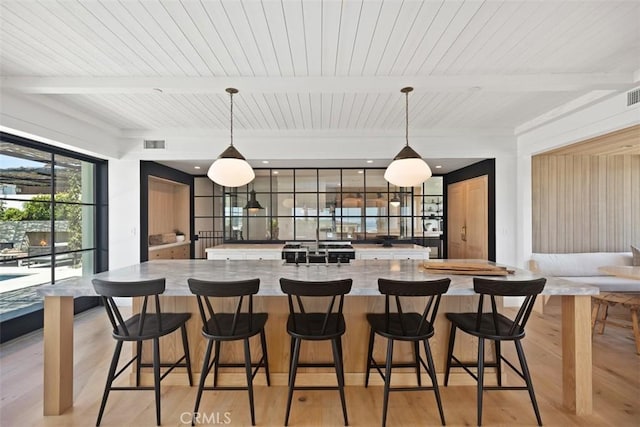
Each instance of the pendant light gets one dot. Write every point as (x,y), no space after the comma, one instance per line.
(407,169)
(395,201)
(231,169)
(253,205)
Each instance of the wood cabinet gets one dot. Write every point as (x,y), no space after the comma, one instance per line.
(173,251)
(468,219)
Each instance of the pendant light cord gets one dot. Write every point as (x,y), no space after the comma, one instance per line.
(406,122)
(231,96)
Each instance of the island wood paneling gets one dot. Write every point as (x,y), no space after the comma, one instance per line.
(585,203)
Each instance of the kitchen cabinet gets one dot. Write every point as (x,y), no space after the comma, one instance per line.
(170,251)
(248,251)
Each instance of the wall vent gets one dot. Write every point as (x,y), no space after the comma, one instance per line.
(151,144)
(633,97)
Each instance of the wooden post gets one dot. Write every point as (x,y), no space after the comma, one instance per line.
(58,354)
(577,369)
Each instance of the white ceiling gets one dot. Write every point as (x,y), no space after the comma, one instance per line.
(318,66)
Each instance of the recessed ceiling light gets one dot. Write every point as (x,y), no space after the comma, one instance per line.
(369,161)
(275,172)
(360,171)
(266,162)
(196,167)
(438,166)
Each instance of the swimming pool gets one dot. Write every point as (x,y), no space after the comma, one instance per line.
(10,276)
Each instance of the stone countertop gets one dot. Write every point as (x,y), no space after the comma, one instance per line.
(278,246)
(365,274)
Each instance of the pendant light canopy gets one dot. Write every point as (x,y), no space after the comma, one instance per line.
(231,169)
(407,169)
(253,205)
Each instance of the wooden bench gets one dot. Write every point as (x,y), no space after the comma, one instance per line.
(630,301)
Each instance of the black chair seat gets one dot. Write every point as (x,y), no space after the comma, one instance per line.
(237,324)
(141,327)
(170,322)
(411,327)
(391,327)
(220,327)
(309,326)
(495,327)
(467,322)
(303,325)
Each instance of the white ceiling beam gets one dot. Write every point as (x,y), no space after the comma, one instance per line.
(494,82)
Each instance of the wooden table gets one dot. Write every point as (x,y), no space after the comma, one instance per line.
(626,271)
(577,394)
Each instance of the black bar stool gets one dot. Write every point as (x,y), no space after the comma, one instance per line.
(496,327)
(139,328)
(315,326)
(219,327)
(401,326)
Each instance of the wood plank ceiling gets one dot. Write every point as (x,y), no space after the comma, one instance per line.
(317,65)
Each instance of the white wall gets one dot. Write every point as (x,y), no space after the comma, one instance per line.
(604,117)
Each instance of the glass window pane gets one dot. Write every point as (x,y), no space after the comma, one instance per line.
(282,180)
(74,264)
(25,171)
(203,206)
(283,204)
(202,186)
(283,228)
(74,227)
(306,205)
(259,228)
(353,180)
(261,183)
(74,180)
(329,180)
(306,228)
(306,180)
(328,203)
(375,180)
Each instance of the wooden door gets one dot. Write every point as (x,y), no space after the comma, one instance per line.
(456,208)
(468,219)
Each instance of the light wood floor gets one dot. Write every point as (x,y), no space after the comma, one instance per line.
(616,381)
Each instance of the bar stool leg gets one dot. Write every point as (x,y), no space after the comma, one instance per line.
(247,364)
(527,378)
(216,363)
(292,377)
(263,342)
(434,379)
(369,357)
(156,376)
(387,381)
(203,377)
(452,340)
(110,376)
(480,377)
(138,361)
(187,357)
(416,356)
(337,358)
(498,362)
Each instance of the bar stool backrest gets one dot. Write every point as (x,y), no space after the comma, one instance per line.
(425,288)
(512,288)
(147,288)
(205,290)
(335,289)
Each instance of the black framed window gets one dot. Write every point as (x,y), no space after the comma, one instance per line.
(53,225)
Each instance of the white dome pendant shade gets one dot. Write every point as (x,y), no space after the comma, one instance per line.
(407,168)
(231,169)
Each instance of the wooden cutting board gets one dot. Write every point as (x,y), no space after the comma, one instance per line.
(467,268)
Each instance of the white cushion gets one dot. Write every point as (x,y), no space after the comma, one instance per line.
(579,264)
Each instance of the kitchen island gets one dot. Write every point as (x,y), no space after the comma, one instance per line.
(364,297)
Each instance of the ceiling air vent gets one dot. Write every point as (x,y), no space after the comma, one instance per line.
(151,144)
(633,97)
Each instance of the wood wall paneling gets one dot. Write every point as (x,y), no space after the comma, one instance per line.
(585,203)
